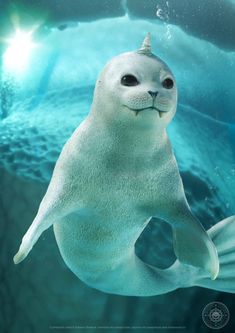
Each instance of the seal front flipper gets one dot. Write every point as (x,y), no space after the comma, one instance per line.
(48,214)
(38,226)
(193,246)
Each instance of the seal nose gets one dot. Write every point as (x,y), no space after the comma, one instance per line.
(153,94)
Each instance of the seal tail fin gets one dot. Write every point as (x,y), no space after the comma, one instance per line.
(193,246)
(223,236)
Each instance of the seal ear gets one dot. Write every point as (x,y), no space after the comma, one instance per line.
(146,46)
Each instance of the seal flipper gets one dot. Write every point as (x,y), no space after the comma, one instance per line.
(43,220)
(30,238)
(193,246)
(222,235)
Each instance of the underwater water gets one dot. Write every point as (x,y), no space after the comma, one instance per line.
(46,93)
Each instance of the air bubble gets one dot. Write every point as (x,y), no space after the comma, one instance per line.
(163,15)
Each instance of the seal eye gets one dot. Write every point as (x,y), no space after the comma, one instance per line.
(168,83)
(129,80)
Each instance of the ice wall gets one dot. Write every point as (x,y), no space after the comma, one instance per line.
(216,17)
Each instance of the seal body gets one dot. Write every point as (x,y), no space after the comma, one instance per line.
(114,174)
(115,192)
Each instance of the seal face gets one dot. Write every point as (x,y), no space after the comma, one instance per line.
(131,91)
(215,315)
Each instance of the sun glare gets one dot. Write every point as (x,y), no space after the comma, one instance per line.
(18,52)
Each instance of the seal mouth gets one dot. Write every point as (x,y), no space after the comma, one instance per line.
(137,111)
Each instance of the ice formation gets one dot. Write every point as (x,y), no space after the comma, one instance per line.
(185,14)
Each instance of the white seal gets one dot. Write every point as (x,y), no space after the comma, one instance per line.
(115,173)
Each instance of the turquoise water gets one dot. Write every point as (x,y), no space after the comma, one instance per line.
(46,97)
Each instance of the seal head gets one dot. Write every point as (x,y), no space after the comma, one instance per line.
(137,88)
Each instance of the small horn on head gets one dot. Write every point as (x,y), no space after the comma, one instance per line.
(146,46)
